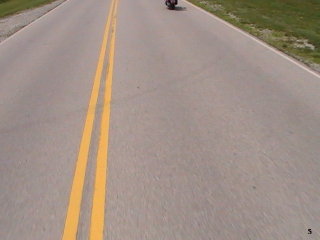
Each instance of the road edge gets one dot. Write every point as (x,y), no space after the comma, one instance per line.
(32,21)
(261,42)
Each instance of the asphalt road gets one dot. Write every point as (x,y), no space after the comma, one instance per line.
(211,135)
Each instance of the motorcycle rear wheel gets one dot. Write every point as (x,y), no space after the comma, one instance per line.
(171,6)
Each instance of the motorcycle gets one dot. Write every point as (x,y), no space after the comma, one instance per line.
(171,4)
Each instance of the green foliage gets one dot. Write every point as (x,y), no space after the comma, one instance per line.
(289,21)
(8,7)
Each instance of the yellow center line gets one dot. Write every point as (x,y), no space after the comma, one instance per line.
(73,212)
(99,195)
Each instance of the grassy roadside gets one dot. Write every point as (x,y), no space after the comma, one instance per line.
(292,26)
(8,7)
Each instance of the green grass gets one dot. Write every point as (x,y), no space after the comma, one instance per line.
(8,7)
(292,26)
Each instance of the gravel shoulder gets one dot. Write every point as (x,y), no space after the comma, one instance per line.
(11,24)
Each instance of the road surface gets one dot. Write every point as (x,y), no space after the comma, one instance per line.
(210,133)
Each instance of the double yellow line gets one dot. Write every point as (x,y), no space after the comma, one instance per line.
(99,195)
